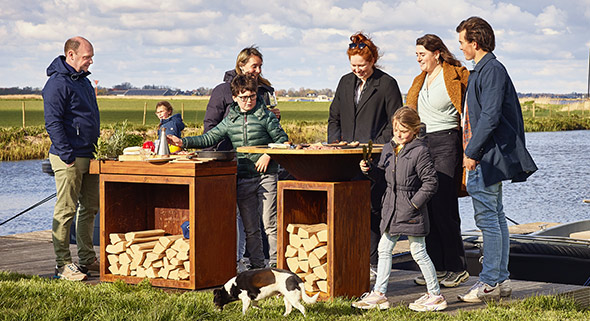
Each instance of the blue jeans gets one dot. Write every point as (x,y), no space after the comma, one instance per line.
(490,219)
(418,250)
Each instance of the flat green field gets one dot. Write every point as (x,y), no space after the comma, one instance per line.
(114,110)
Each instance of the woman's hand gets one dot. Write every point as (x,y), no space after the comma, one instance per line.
(262,163)
(277,112)
(364,166)
(173,140)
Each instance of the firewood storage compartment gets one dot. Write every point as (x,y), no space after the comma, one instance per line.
(344,207)
(137,196)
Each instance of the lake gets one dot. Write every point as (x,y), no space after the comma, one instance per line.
(555,193)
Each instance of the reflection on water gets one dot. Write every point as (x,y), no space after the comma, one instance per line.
(553,194)
(556,191)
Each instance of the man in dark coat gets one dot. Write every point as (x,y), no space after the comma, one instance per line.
(73,124)
(494,143)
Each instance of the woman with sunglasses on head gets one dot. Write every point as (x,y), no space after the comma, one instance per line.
(437,94)
(364,102)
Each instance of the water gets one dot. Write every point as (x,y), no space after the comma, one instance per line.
(22,185)
(553,194)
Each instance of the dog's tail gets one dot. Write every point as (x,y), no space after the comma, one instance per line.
(306,298)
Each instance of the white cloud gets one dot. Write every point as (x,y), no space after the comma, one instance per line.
(189,44)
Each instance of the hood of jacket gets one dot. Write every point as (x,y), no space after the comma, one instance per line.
(59,66)
(229,75)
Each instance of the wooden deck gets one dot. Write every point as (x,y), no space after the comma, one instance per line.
(32,254)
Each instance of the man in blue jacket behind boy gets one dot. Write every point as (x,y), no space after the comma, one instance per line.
(493,139)
(73,124)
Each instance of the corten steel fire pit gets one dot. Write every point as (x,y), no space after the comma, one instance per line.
(318,165)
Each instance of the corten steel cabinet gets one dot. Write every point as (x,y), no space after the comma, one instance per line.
(345,208)
(137,196)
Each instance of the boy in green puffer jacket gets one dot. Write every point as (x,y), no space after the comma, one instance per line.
(249,123)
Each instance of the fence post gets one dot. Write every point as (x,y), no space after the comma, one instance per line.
(23,115)
(182,112)
(534,109)
(144,111)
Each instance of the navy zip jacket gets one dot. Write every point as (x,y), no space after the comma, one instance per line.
(72,119)
(497,127)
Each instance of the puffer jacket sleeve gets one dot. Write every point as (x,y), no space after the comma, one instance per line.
(54,102)
(210,138)
(427,174)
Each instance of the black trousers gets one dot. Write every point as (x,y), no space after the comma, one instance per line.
(378,186)
(444,243)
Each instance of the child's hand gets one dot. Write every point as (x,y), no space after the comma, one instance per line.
(364,166)
(262,163)
(173,140)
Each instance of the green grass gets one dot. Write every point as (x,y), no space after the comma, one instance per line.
(34,298)
(114,110)
(303,121)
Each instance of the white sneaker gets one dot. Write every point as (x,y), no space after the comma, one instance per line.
(488,292)
(505,288)
(429,302)
(69,272)
(371,301)
(471,295)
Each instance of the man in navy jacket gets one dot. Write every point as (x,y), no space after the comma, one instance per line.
(73,124)
(493,138)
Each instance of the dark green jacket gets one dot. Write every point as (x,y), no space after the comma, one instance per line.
(258,126)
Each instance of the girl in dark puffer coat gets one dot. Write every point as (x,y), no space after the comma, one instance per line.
(411,182)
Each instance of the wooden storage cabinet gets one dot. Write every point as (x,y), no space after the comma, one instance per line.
(137,196)
(345,208)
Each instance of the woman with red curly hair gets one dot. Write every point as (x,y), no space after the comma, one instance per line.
(363,105)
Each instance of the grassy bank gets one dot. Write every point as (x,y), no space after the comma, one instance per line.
(303,121)
(35,298)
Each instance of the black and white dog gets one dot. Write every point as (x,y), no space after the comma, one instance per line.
(251,286)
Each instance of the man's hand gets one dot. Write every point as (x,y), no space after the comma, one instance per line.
(469,163)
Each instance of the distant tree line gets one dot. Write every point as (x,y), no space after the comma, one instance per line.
(20,91)
(204,91)
(304,92)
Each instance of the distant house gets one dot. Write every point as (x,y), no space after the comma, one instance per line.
(150,92)
(322,98)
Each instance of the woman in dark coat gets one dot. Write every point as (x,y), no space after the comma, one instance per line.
(363,105)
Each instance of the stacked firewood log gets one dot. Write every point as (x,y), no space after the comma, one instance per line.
(307,254)
(149,254)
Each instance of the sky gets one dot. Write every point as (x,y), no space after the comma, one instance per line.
(187,44)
